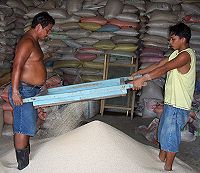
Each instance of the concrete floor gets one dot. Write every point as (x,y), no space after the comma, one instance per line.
(189,151)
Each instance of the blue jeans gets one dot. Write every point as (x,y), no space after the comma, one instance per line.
(172,121)
(25,116)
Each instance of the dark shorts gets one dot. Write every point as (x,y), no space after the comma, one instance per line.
(25,116)
(172,121)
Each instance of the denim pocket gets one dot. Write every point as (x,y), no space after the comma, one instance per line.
(27,91)
(182,118)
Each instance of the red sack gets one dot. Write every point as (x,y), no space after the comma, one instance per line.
(54,81)
(98,20)
(7,107)
(4,94)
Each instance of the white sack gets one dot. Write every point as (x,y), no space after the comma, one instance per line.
(113,8)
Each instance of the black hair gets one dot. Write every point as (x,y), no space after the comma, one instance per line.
(42,18)
(181,30)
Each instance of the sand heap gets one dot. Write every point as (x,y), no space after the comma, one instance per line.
(93,148)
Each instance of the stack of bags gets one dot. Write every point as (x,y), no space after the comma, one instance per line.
(85,30)
(12,24)
(191,16)
(161,14)
(11,29)
(7,40)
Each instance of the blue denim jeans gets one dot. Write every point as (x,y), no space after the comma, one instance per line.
(172,121)
(25,116)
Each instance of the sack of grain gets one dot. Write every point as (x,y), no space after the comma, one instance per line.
(73,6)
(118,39)
(85,56)
(108,28)
(158,6)
(55,43)
(104,45)
(89,26)
(130,9)
(129,17)
(191,8)
(95,65)
(78,33)
(58,13)
(47,5)
(163,15)
(66,63)
(152,52)
(145,59)
(69,25)
(16,4)
(90,50)
(155,38)
(160,23)
(127,32)
(86,13)
(158,31)
(99,20)
(102,35)
(121,23)
(125,47)
(87,41)
(113,8)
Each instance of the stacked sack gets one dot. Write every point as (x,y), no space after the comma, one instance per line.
(85,30)
(11,29)
(161,14)
(191,16)
(12,24)
(7,24)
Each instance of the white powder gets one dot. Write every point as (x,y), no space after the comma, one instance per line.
(93,148)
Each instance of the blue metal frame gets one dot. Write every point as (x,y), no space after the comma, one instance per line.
(85,91)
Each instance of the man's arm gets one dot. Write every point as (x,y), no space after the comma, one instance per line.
(178,62)
(22,53)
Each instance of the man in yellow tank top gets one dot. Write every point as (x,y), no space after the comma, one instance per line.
(179,89)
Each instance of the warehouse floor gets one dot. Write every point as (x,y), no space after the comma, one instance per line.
(189,151)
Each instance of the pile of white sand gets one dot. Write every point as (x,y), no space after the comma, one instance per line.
(93,148)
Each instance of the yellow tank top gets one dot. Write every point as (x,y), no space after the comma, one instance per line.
(179,88)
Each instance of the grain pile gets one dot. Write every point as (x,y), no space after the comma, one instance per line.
(94,147)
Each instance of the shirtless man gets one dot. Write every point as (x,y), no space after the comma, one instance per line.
(28,76)
(179,89)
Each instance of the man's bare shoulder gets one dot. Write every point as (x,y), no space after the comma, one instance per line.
(183,56)
(26,41)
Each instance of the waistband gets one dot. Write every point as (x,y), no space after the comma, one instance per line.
(32,86)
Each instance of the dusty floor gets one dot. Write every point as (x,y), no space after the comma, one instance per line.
(189,151)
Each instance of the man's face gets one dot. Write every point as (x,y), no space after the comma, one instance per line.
(44,32)
(175,41)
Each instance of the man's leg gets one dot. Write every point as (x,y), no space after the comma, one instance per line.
(21,141)
(22,149)
(162,155)
(169,160)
